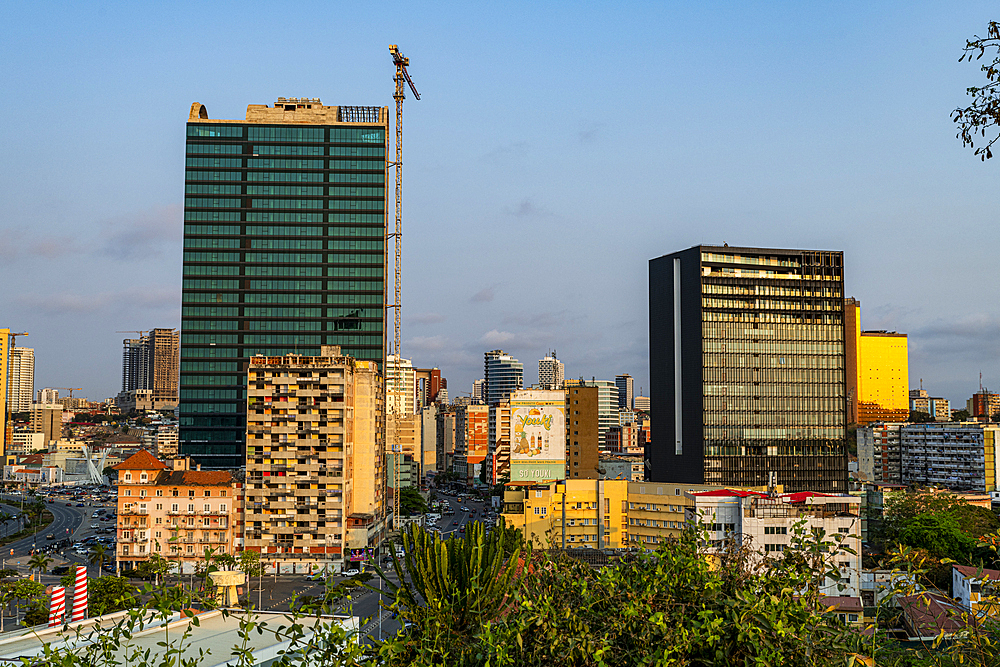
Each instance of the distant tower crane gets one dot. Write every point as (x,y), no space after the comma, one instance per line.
(402,79)
(70,389)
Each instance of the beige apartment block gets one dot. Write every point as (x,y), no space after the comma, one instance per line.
(166,441)
(173,511)
(316,482)
(47,419)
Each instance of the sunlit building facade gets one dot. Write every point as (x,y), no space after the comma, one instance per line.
(747,368)
(284,251)
(877,372)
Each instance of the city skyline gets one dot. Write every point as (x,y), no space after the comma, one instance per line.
(812,139)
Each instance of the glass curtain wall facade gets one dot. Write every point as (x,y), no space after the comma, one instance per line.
(284,251)
(747,363)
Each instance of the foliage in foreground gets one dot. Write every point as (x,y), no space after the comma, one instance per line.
(670,607)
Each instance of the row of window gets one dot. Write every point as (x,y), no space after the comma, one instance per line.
(215,163)
(267,216)
(228,270)
(298,258)
(217,298)
(277,190)
(342,244)
(255,311)
(363,135)
(237,149)
(279,177)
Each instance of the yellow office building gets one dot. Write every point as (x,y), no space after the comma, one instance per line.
(877,372)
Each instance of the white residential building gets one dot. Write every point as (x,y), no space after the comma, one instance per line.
(22,378)
(48,396)
(401,386)
(551,372)
(769,524)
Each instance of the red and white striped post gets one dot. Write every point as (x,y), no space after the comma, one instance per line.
(80,594)
(57,608)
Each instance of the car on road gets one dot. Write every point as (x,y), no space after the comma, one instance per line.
(69,504)
(93,525)
(50,536)
(80,505)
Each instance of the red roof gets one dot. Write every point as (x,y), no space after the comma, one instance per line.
(978,573)
(802,496)
(725,493)
(141,460)
(843,603)
(195,478)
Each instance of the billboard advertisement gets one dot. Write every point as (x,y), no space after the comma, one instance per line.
(538,436)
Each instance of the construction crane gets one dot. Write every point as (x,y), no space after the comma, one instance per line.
(402,79)
(141,333)
(8,434)
(70,389)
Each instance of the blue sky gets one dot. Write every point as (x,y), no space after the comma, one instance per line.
(557,148)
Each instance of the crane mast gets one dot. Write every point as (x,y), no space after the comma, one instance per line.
(402,79)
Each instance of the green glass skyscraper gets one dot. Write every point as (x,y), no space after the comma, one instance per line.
(284,251)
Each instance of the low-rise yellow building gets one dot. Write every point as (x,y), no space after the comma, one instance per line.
(600,514)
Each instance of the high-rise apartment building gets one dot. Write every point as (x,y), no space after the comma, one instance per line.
(747,368)
(472,425)
(551,372)
(879,453)
(150,365)
(284,251)
(46,418)
(504,374)
(582,431)
(314,465)
(983,405)
(641,403)
(498,459)
(625,390)
(877,371)
(444,441)
(960,456)
(400,386)
(607,406)
(429,384)
(22,379)
(166,442)
(477,391)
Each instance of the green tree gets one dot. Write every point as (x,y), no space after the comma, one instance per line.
(23,592)
(449,588)
(98,556)
(154,568)
(961,416)
(980,120)
(411,502)
(939,535)
(39,562)
(920,417)
(109,594)
(249,563)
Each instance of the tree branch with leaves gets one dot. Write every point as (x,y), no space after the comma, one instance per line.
(980,121)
